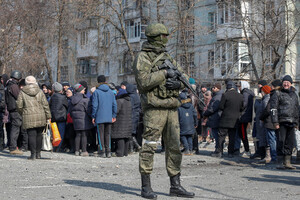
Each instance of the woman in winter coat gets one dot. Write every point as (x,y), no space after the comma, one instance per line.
(122,128)
(81,111)
(188,123)
(33,106)
(205,129)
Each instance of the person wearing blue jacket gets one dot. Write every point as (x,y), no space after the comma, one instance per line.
(188,123)
(104,114)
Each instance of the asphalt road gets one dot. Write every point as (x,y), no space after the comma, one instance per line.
(64,176)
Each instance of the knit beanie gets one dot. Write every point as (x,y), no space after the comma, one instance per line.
(101,79)
(266,89)
(276,83)
(78,87)
(30,80)
(65,84)
(287,78)
(192,81)
(57,87)
(263,82)
(229,85)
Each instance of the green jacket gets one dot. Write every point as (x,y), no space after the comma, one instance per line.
(33,106)
(151,81)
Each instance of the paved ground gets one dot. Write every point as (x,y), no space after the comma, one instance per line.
(64,176)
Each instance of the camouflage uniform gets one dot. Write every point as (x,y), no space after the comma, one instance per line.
(159,106)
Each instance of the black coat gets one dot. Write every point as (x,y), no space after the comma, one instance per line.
(135,104)
(58,107)
(187,119)
(81,112)
(248,96)
(231,106)
(265,115)
(284,106)
(213,113)
(122,128)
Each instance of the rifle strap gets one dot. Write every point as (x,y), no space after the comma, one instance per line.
(157,59)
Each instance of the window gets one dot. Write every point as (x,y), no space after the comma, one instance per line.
(230,57)
(106,38)
(211,20)
(83,66)
(133,29)
(187,62)
(93,66)
(186,4)
(107,70)
(127,63)
(188,32)
(83,38)
(64,70)
(211,62)
(121,68)
(227,12)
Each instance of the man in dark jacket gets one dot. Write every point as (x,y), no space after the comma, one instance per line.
(246,117)
(59,109)
(231,106)
(285,116)
(11,95)
(104,114)
(136,109)
(213,113)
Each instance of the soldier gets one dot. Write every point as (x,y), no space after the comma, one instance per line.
(159,91)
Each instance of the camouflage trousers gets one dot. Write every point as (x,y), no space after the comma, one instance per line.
(157,123)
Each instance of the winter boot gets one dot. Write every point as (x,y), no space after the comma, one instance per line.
(177,190)
(32,156)
(130,150)
(38,155)
(287,162)
(267,158)
(136,144)
(280,163)
(147,191)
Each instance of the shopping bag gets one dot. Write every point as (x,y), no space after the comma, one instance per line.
(55,134)
(297,135)
(46,142)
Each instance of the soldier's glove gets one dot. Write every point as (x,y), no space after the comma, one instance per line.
(173,84)
(171,73)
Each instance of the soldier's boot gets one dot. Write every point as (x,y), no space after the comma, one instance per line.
(287,162)
(136,144)
(280,163)
(177,190)
(147,191)
(267,158)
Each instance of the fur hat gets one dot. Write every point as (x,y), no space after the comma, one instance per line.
(30,80)
(276,83)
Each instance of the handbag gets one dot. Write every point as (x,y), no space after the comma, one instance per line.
(46,142)
(55,134)
(297,137)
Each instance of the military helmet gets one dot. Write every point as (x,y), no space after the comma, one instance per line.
(156,29)
(16,75)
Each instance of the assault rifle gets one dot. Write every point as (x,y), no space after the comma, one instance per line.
(169,65)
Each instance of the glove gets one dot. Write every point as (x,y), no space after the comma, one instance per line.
(173,84)
(171,73)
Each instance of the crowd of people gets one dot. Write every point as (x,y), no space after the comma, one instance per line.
(107,120)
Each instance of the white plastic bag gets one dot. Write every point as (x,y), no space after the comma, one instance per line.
(297,136)
(46,143)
